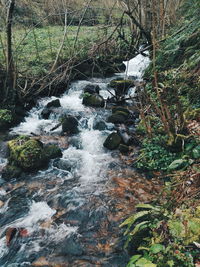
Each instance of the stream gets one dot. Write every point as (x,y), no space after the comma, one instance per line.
(65,212)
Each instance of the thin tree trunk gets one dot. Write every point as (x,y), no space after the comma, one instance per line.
(10,62)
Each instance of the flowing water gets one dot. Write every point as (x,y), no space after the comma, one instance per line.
(64,209)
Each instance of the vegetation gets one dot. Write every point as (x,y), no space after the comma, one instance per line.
(166,232)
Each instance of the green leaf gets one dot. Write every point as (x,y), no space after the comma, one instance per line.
(134,258)
(156,248)
(143,248)
(145,206)
(139,227)
(170,263)
(142,262)
(134,217)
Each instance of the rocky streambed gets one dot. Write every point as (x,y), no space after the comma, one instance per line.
(65,210)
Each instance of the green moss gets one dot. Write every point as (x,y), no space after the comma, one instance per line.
(6,118)
(26,153)
(94,100)
(29,154)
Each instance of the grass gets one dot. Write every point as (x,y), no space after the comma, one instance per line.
(35,49)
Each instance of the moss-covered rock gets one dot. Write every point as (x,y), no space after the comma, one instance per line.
(26,153)
(6,119)
(117,118)
(93,100)
(112,141)
(121,86)
(120,109)
(119,115)
(30,154)
(91,89)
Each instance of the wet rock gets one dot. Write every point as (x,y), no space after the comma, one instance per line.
(26,153)
(6,119)
(70,125)
(72,247)
(93,100)
(30,154)
(65,165)
(10,172)
(127,138)
(121,109)
(100,125)
(46,112)
(121,86)
(49,108)
(112,141)
(54,104)
(123,148)
(119,117)
(52,152)
(91,89)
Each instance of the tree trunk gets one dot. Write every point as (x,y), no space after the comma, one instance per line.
(10,62)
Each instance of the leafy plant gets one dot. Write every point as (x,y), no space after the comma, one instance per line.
(167,236)
(154,156)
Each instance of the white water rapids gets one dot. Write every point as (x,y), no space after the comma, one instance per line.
(89,162)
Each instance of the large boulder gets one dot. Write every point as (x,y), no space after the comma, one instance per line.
(91,89)
(121,86)
(93,100)
(6,119)
(112,141)
(30,154)
(70,125)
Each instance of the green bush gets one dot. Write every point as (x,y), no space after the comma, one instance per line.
(167,237)
(154,156)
